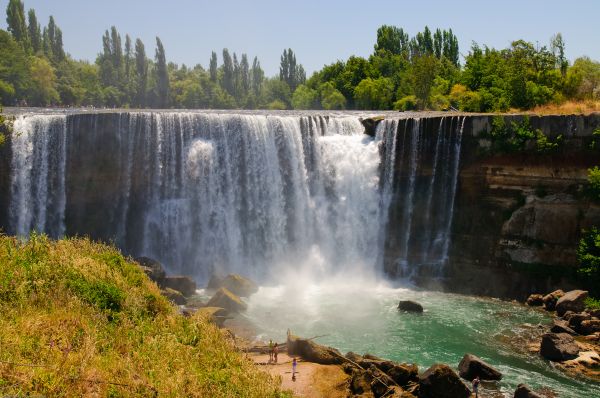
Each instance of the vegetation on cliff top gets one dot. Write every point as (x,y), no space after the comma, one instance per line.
(76,319)
(419,72)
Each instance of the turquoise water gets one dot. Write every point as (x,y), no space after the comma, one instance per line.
(363,318)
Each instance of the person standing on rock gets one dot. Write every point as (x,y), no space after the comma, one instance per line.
(275,352)
(476,386)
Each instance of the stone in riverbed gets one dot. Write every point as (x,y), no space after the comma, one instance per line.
(410,306)
(152,268)
(183,284)
(239,285)
(571,301)
(575,320)
(558,347)
(523,391)
(551,298)
(535,300)
(561,326)
(472,366)
(223,298)
(174,296)
(589,326)
(440,381)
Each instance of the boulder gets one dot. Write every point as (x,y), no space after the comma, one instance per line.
(594,312)
(216,315)
(174,296)
(571,301)
(380,383)
(558,347)
(370,124)
(551,298)
(360,383)
(354,357)
(183,284)
(574,320)
(215,281)
(590,326)
(410,306)
(471,366)
(223,298)
(561,326)
(523,391)
(152,268)
(535,300)
(403,374)
(440,381)
(313,352)
(239,285)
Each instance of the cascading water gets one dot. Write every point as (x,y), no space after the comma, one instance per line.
(205,191)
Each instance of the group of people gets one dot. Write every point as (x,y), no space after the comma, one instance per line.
(273,351)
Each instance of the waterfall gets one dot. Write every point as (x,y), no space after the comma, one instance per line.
(246,193)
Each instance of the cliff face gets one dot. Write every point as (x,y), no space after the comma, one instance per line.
(518,217)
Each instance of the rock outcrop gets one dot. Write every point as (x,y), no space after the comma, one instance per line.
(440,381)
(471,366)
(535,300)
(183,284)
(152,268)
(558,347)
(410,306)
(523,391)
(223,298)
(313,352)
(174,296)
(571,301)
(551,298)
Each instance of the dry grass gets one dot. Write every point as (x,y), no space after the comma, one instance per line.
(568,108)
(77,319)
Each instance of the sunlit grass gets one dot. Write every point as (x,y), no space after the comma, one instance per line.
(568,108)
(78,319)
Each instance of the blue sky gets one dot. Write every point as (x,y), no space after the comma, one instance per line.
(319,32)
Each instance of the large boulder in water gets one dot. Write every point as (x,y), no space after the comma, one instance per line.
(440,381)
(410,306)
(183,284)
(152,268)
(313,352)
(523,391)
(239,285)
(471,366)
(571,301)
(558,347)
(223,298)
(370,124)
(535,300)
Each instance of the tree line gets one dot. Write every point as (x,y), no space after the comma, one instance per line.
(403,72)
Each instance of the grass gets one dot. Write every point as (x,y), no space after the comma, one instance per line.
(567,108)
(78,319)
(593,303)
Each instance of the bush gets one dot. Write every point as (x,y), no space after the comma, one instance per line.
(408,103)
(594,183)
(588,256)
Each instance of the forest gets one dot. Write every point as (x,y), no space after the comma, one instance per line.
(423,72)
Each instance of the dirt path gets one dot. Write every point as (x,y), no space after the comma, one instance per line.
(312,380)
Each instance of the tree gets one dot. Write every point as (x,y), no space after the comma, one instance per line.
(15,19)
(15,77)
(43,83)
(392,39)
(331,98)
(213,67)
(228,78)
(305,98)
(374,93)
(289,71)
(557,45)
(424,70)
(162,76)
(141,69)
(35,32)
(244,75)
(257,76)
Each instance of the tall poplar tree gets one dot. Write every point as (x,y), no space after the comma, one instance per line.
(35,32)
(227,72)
(141,70)
(213,67)
(162,75)
(15,19)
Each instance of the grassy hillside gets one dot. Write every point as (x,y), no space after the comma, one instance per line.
(77,319)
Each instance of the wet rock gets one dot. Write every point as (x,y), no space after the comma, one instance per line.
(174,296)
(410,306)
(571,301)
(313,352)
(558,347)
(523,391)
(360,383)
(471,366)
(354,357)
(590,326)
(561,326)
(593,312)
(215,281)
(372,357)
(440,381)
(403,374)
(535,300)
(183,284)
(370,124)
(223,298)
(380,383)
(239,285)
(551,298)
(152,268)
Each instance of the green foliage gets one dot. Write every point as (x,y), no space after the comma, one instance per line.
(595,144)
(101,294)
(545,144)
(588,256)
(593,187)
(592,303)
(331,98)
(408,103)
(305,98)
(374,93)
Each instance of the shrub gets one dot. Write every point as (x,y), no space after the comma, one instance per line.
(594,183)
(408,103)
(588,256)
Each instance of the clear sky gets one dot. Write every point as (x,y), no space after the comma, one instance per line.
(319,31)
